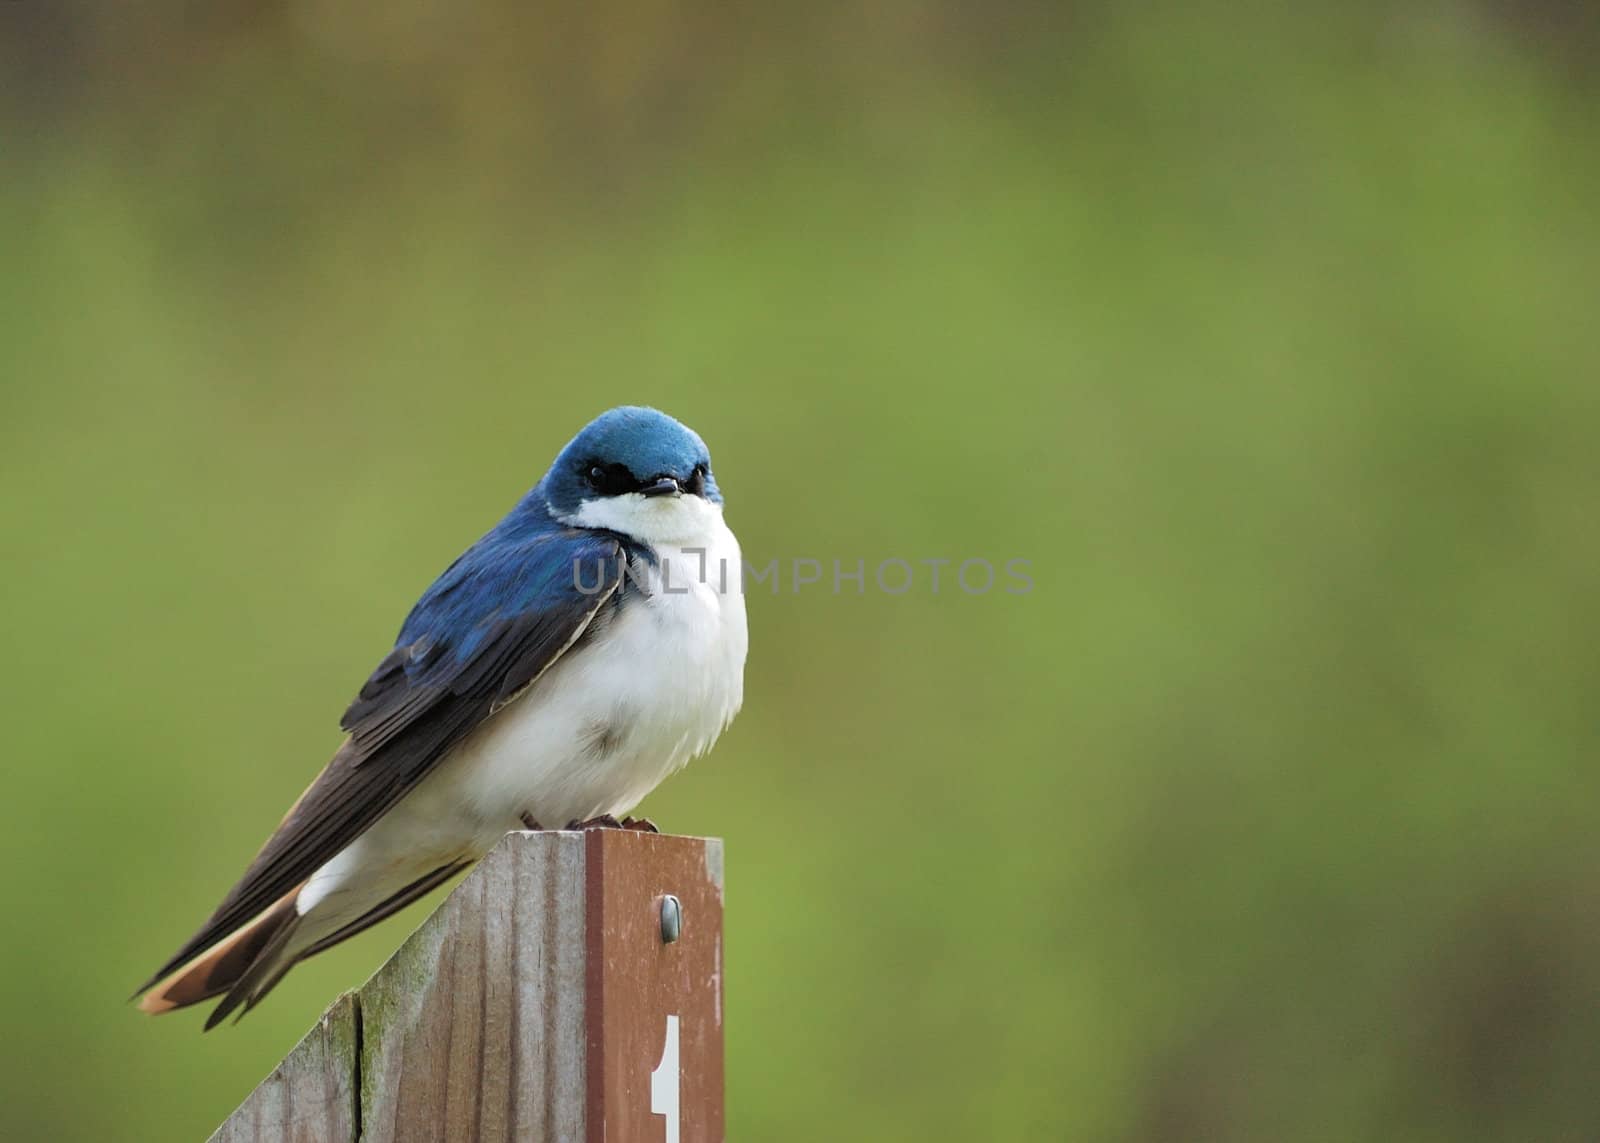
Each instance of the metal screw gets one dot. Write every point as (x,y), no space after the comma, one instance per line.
(671,919)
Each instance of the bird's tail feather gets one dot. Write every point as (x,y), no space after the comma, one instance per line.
(243,965)
(246,964)
(421,887)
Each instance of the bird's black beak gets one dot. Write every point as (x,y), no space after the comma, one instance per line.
(662,486)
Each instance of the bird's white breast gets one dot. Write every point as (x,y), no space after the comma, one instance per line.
(648,689)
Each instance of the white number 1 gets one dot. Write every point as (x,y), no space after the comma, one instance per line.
(664,1082)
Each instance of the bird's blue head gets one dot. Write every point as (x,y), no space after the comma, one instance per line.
(635,471)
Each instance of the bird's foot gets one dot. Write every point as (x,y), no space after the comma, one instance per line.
(528,821)
(606,821)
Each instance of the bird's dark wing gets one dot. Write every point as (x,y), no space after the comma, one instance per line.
(482,634)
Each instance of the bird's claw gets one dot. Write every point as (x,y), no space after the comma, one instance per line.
(606,821)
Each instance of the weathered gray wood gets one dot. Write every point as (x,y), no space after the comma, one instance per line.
(534,1004)
(310,1097)
(475,1029)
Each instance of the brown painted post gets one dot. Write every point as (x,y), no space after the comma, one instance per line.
(654,1022)
(541,1001)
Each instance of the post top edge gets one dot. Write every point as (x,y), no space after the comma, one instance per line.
(709,839)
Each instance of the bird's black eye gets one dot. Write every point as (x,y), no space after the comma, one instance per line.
(609,479)
(696,485)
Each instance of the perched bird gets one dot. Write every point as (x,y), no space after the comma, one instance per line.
(589,645)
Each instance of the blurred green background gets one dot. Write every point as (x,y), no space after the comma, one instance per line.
(1267,335)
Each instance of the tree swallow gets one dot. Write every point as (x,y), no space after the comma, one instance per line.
(589,645)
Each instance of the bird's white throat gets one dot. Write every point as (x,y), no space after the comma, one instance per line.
(683,520)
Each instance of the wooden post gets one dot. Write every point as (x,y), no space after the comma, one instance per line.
(542,1000)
